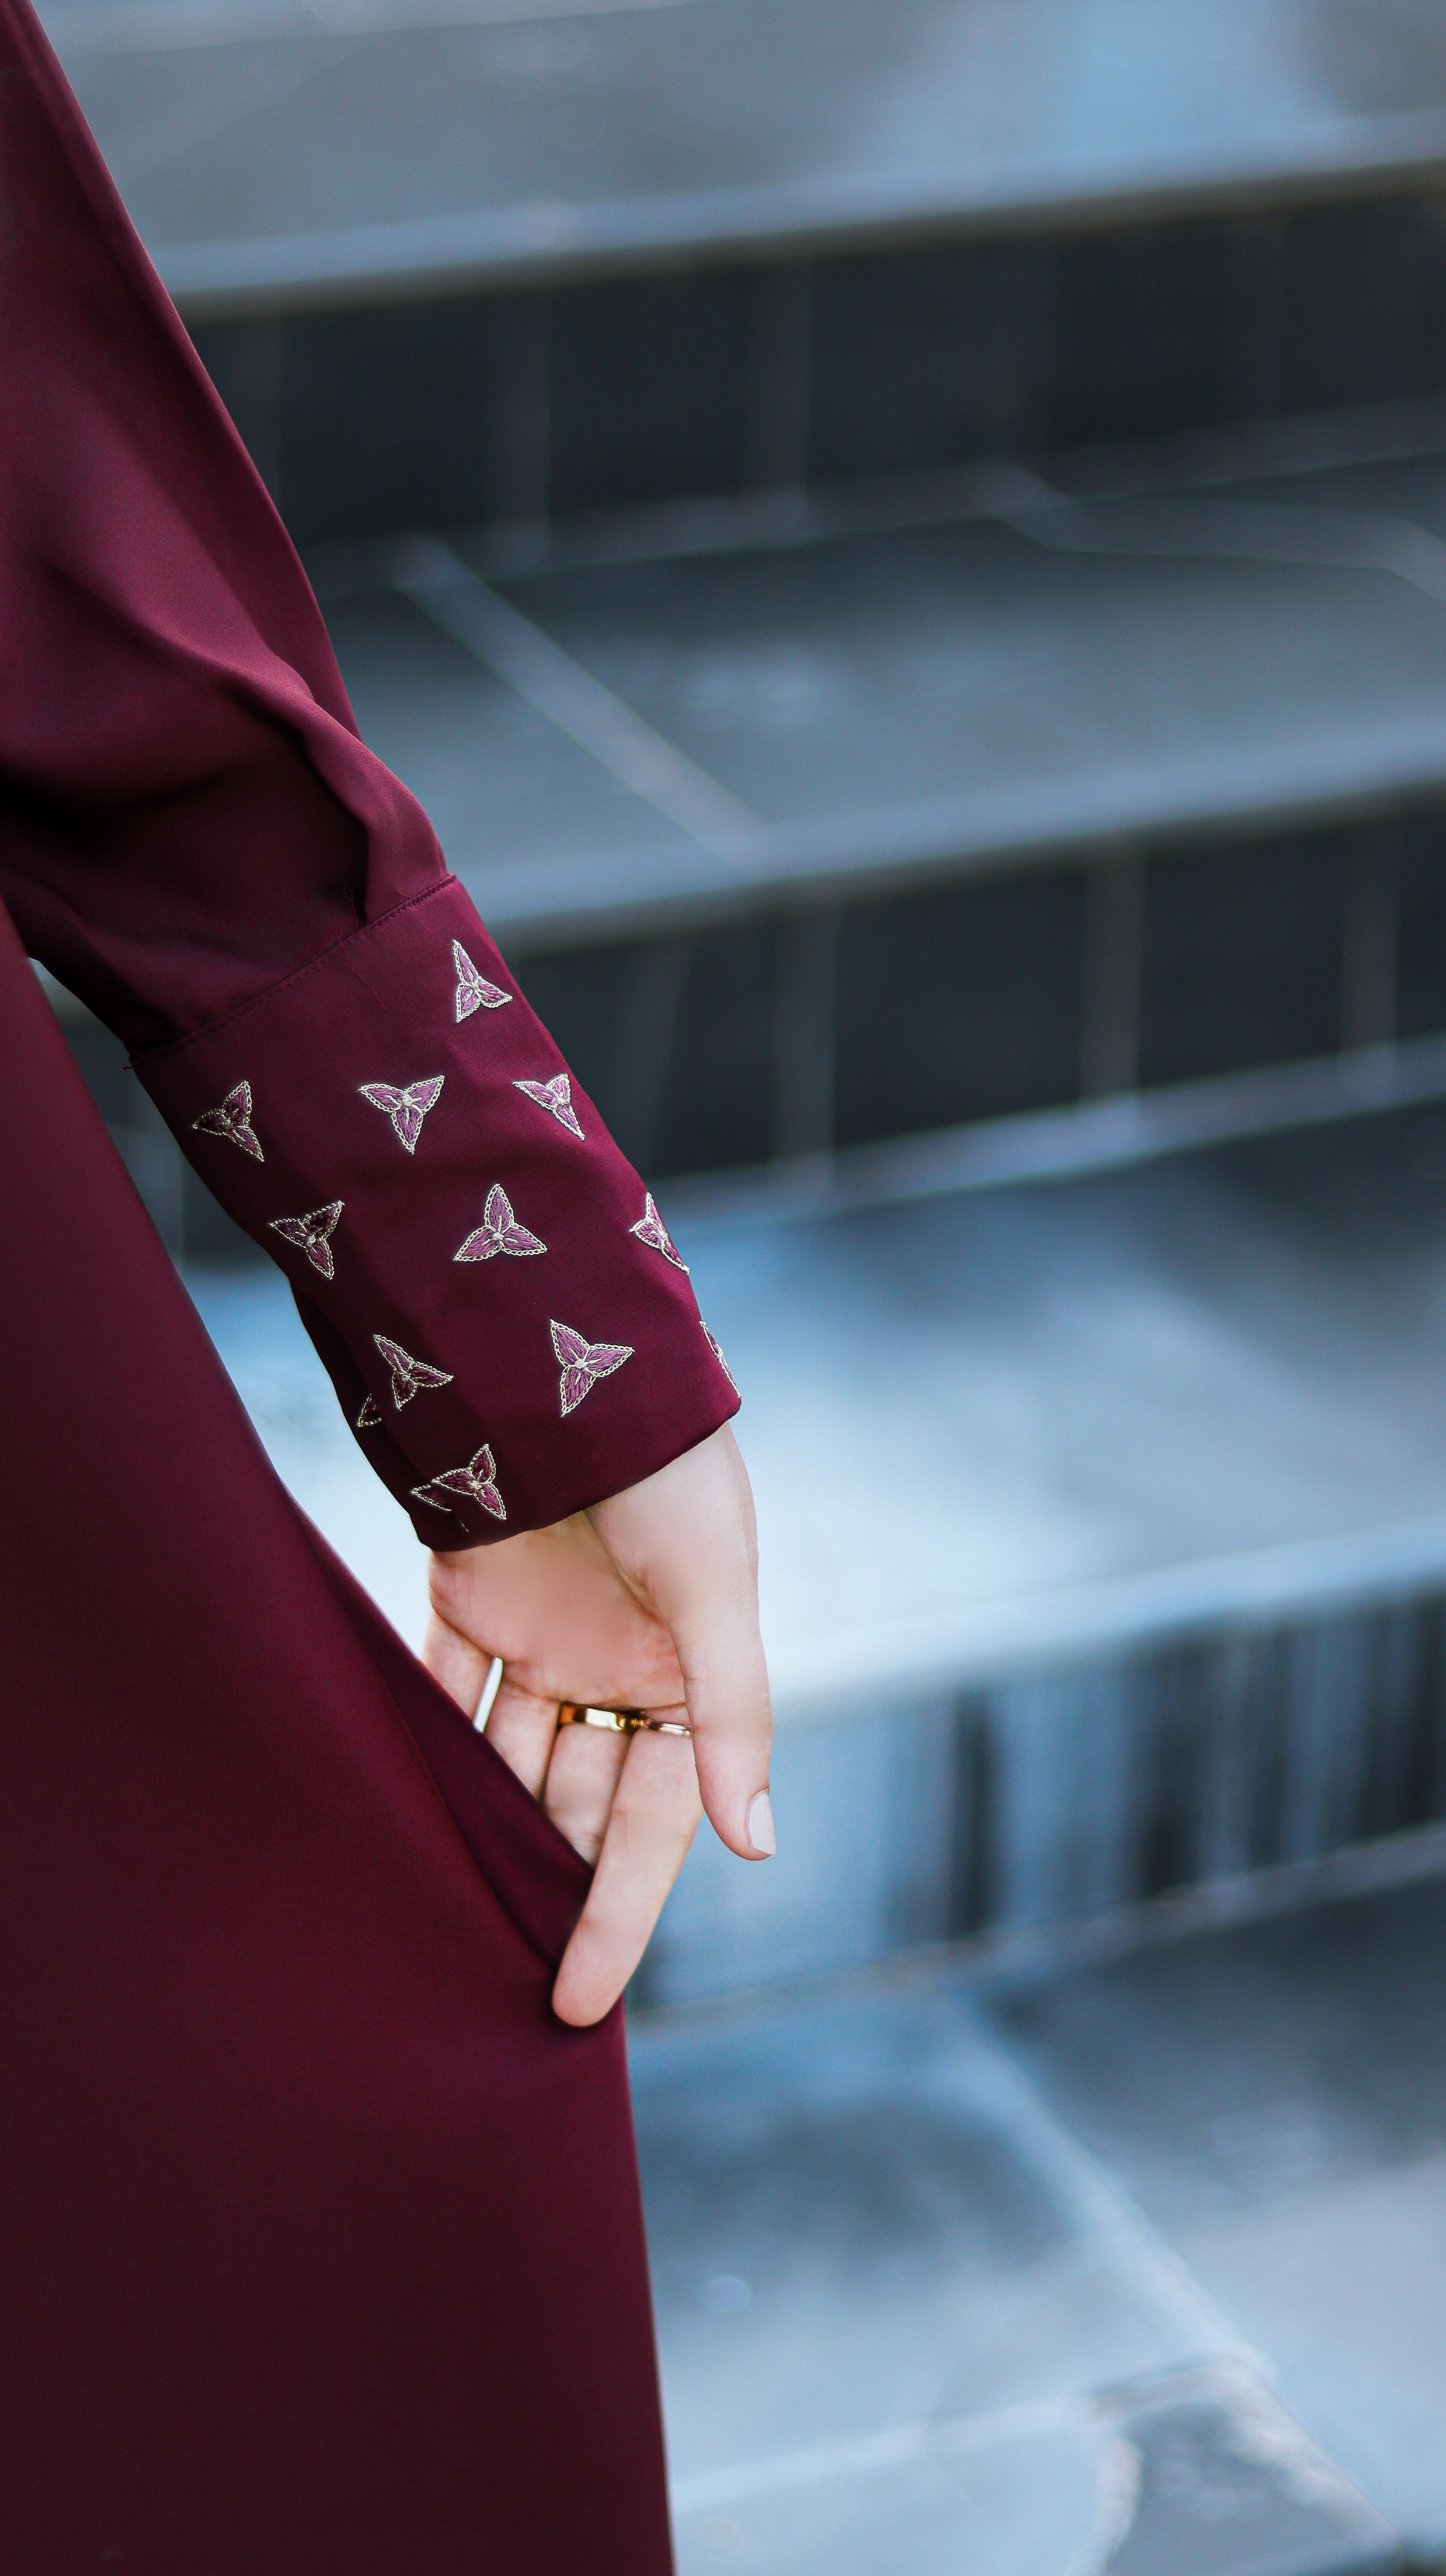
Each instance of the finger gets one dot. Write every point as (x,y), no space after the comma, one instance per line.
(726,1681)
(654,1818)
(522,1728)
(453,1660)
(584,1772)
(686,1537)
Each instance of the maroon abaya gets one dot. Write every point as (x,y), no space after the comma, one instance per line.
(322,2251)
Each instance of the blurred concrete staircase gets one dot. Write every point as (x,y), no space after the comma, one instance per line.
(936,501)
(904,547)
(905,550)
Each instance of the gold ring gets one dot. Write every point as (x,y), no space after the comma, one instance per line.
(618,1721)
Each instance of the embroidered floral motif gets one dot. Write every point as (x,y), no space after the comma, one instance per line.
(233,1121)
(651,1229)
(409,1376)
(474,993)
(476,1482)
(369,1419)
(313,1234)
(556,1098)
(713,1345)
(406,1109)
(499,1231)
(584,1362)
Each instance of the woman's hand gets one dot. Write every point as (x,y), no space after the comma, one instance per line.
(650,1601)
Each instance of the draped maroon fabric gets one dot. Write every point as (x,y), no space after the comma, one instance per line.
(320,2239)
(195,840)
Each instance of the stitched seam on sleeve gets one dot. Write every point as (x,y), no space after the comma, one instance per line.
(243,1010)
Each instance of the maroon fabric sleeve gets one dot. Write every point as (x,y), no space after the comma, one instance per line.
(194,839)
(461,1231)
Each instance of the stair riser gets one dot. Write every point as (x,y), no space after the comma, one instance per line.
(508,407)
(739,1046)
(796,1033)
(1051,1797)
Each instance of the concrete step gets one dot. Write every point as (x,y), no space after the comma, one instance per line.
(948,799)
(1128,2267)
(468,260)
(957,805)
(1104,1535)
(739,699)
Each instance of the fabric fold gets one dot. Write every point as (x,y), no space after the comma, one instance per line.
(309,2206)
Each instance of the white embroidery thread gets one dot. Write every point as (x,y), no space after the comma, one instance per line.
(499,1231)
(477,1481)
(369,1419)
(407,1107)
(651,1229)
(714,1346)
(474,993)
(233,1121)
(584,1362)
(556,1098)
(409,1376)
(312,1234)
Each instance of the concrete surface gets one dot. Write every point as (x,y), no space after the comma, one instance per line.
(1273,2099)
(1021,674)
(1103,1530)
(1132,2268)
(957,1411)
(276,144)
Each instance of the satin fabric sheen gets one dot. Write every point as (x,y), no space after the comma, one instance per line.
(320,2240)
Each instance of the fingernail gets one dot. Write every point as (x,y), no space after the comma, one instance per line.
(759,1825)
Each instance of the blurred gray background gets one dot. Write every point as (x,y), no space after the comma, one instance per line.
(903,545)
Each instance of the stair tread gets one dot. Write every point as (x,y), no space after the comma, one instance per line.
(492,140)
(1040,1409)
(494,775)
(1014,1426)
(925,700)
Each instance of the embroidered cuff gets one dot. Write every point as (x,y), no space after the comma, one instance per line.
(503,1315)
